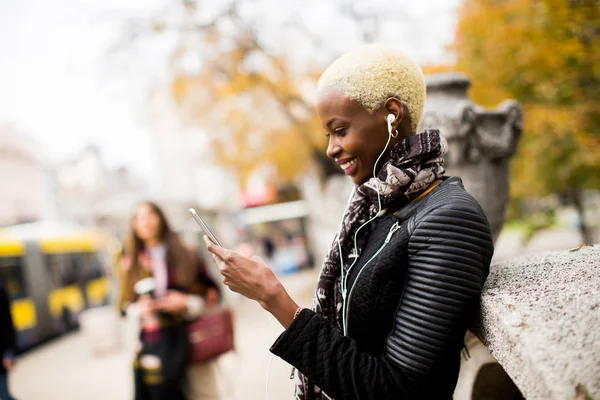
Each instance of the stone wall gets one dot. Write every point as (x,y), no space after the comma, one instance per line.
(540,319)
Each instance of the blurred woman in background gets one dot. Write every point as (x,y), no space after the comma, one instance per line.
(180,290)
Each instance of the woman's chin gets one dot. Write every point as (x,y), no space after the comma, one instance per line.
(358,179)
(147,237)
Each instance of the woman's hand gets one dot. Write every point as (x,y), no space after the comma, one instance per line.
(173,302)
(250,277)
(145,305)
(253,279)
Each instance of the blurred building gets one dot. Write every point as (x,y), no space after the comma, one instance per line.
(22,178)
(84,188)
(186,168)
(78,183)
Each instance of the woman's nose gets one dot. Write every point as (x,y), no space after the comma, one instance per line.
(333,148)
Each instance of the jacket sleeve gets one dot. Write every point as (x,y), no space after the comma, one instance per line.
(449,254)
(6,323)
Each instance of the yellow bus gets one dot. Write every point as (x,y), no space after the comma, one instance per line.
(51,274)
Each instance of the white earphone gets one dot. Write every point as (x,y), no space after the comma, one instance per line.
(389,119)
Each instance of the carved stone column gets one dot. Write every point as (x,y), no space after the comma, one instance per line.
(481,141)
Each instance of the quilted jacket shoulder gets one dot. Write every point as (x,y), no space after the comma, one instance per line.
(449,251)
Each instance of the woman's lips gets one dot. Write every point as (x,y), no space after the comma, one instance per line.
(348,165)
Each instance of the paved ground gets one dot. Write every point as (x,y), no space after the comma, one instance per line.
(66,369)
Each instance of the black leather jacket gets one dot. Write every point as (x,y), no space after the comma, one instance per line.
(408,308)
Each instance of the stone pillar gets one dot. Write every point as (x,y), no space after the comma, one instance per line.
(481,144)
(481,141)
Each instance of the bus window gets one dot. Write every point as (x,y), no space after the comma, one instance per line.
(93,266)
(65,269)
(22,307)
(11,277)
(73,268)
(97,285)
(53,266)
(76,265)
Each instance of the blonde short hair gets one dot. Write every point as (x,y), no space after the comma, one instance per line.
(373,73)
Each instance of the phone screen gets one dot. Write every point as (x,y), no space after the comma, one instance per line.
(204,227)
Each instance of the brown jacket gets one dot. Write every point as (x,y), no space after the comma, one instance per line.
(186,273)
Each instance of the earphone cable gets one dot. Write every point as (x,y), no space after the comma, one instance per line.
(344,277)
(270,358)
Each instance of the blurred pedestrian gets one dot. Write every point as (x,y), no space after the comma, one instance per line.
(7,344)
(181,290)
(404,274)
(268,247)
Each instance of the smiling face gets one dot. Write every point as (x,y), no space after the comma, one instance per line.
(356,136)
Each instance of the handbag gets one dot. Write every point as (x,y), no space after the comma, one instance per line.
(210,336)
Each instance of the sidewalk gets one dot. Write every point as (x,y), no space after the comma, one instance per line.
(65,369)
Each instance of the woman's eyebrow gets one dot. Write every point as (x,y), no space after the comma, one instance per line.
(332,120)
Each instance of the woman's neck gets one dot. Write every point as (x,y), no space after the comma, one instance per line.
(150,243)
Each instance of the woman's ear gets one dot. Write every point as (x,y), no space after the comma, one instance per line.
(397,108)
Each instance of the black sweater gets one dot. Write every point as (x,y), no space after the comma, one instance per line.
(7,330)
(408,308)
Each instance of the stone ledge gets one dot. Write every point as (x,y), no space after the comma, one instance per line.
(540,318)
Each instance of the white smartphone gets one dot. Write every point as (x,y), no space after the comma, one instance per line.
(204,227)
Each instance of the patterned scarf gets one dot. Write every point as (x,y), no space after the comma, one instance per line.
(413,164)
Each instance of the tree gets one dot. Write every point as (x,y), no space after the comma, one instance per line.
(247,90)
(545,54)
(261,114)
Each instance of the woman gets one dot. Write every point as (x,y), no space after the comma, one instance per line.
(405,272)
(181,290)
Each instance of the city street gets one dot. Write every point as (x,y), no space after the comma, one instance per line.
(66,369)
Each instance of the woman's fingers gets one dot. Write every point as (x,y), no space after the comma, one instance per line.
(224,254)
(213,248)
(232,286)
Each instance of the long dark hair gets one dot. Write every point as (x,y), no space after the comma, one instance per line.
(179,257)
